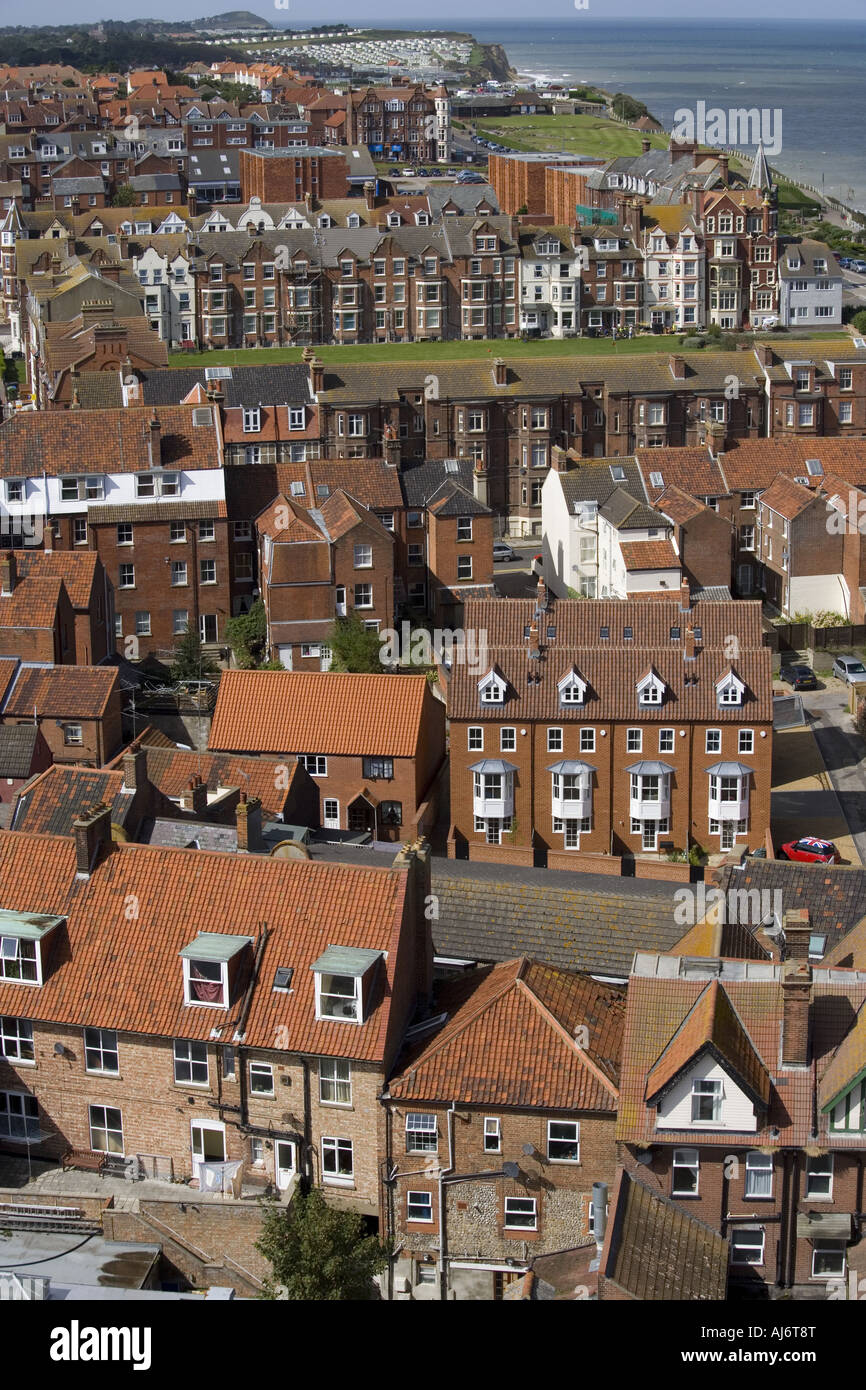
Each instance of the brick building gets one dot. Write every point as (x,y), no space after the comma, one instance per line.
(77,708)
(611,728)
(375,745)
(281,176)
(318,564)
(145,490)
(260,1035)
(741,1094)
(90,594)
(37,620)
(498,1121)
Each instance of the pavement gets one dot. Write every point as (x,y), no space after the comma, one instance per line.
(819,775)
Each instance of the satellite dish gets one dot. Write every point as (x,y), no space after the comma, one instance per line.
(511,1170)
(130,381)
(528,1149)
(59,1049)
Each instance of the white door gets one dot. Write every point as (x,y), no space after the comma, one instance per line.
(341,601)
(208,1142)
(331,816)
(284,1162)
(649,834)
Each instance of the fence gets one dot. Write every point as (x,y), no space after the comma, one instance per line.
(798,636)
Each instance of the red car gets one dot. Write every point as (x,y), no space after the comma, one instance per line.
(808,850)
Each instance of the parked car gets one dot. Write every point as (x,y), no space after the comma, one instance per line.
(859,266)
(408,173)
(849,670)
(502,551)
(800,677)
(809,850)
(395,170)
(845,262)
(423,173)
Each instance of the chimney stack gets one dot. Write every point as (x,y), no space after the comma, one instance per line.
(499,371)
(796,998)
(249,822)
(92,831)
(678,368)
(764,354)
(154,441)
(797,928)
(558,459)
(723,165)
(195,797)
(685,596)
(370,195)
(541,594)
(479,481)
(317,375)
(645,145)
(8,573)
(135,767)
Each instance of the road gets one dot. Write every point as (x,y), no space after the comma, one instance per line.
(843,751)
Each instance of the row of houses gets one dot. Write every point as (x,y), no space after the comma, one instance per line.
(294,1032)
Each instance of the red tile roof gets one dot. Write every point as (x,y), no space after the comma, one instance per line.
(712,1024)
(33,603)
(752,464)
(116,441)
(511,1039)
(287,712)
(62,692)
(649,555)
(77,569)
(786,497)
(123,972)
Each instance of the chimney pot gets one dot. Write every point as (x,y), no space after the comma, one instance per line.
(92,831)
(797,928)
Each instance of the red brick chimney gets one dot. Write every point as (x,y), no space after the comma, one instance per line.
(678,368)
(499,370)
(558,459)
(764,354)
(645,145)
(723,165)
(370,195)
(317,375)
(135,767)
(796,998)
(249,822)
(194,798)
(8,573)
(685,596)
(797,928)
(92,832)
(154,441)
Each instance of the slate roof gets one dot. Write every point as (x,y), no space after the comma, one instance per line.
(655,1251)
(509,1039)
(833,894)
(572,921)
(590,481)
(100,391)
(319,712)
(270,384)
(424,480)
(113,972)
(17,744)
(453,500)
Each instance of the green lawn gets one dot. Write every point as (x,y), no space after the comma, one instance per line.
(592,135)
(457,350)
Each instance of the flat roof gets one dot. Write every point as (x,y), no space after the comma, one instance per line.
(210,945)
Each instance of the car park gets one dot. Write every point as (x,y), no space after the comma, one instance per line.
(850,670)
(799,677)
(810,850)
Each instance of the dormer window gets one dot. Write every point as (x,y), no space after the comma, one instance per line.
(252,421)
(572,690)
(208,963)
(492,689)
(650,690)
(730,690)
(344,978)
(21,949)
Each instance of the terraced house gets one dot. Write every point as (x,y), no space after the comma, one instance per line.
(499,1119)
(610,729)
(742,1102)
(241,1045)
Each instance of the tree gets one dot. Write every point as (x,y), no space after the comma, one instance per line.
(859,321)
(247,635)
(354,647)
(125,197)
(190,662)
(317,1252)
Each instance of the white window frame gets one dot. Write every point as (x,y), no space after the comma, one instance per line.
(330,1081)
(692,1165)
(520,1206)
(492,1134)
(332,1146)
(188,1054)
(94,1109)
(97,1040)
(740,1231)
(822,1175)
(422,1132)
(16,1035)
(426,1202)
(475,738)
(714,1092)
(757,1166)
(355,1015)
(262,1071)
(561,1140)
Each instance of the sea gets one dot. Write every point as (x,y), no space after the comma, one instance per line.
(812,71)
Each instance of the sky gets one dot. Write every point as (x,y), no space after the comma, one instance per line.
(443,14)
